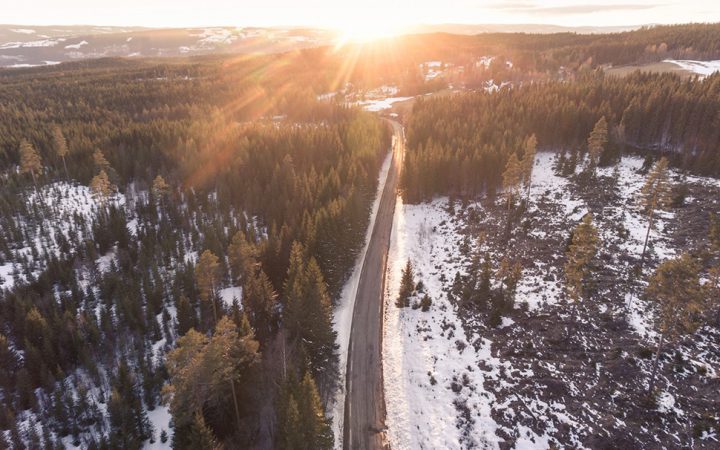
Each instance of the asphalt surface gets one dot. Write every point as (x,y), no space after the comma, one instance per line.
(364,400)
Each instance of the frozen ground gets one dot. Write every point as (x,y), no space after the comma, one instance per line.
(430,369)
(550,374)
(703,68)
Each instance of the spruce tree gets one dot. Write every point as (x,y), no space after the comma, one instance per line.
(596,142)
(512,176)
(675,287)
(60,146)
(101,187)
(207,273)
(528,161)
(580,254)
(655,195)
(318,334)
(407,286)
(30,161)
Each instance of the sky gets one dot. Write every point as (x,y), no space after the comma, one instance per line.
(381,14)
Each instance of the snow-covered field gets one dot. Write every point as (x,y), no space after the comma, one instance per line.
(448,383)
(381,104)
(426,356)
(704,68)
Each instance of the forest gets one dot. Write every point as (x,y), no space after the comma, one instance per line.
(461,144)
(116,306)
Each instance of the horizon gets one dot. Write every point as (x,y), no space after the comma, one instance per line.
(372,19)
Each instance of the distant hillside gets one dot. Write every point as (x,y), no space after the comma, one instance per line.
(25,46)
(462,28)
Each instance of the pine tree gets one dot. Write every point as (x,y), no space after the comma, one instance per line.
(101,163)
(101,187)
(200,436)
(160,188)
(243,256)
(528,161)
(318,434)
(186,316)
(206,277)
(407,286)
(596,142)
(655,195)
(511,178)
(260,301)
(294,290)
(582,250)
(203,368)
(30,161)
(675,287)
(60,146)
(318,336)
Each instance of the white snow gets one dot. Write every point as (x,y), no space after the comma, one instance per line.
(343,312)
(160,419)
(381,104)
(424,353)
(78,45)
(703,68)
(22,30)
(229,294)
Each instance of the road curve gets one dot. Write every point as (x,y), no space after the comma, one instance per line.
(364,424)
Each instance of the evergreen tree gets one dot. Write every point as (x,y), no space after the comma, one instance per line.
(319,336)
(675,287)
(596,143)
(580,254)
(407,286)
(243,256)
(260,301)
(30,161)
(528,161)
(186,316)
(200,437)
(101,187)
(207,272)
(654,195)
(511,178)
(101,163)
(160,188)
(60,146)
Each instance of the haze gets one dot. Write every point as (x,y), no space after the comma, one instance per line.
(381,15)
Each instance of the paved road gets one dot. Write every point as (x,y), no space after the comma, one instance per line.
(364,400)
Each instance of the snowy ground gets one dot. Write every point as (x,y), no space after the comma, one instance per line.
(703,68)
(453,382)
(63,207)
(430,370)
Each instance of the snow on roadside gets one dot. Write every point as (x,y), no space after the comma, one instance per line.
(344,310)
(434,391)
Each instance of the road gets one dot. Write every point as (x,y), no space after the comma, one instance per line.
(364,400)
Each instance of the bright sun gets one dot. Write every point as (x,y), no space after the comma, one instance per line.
(367,30)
